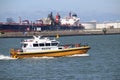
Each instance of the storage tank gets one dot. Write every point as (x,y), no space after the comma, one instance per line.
(89,25)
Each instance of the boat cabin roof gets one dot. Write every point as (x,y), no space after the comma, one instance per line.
(39,39)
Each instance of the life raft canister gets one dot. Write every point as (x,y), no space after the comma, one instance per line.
(66,46)
(18,50)
(77,45)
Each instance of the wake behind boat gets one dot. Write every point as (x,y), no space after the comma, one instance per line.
(40,47)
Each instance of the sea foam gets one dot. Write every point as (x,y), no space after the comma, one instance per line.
(3,57)
(44,57)
(77,55)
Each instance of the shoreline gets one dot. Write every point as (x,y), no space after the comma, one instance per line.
(60,33)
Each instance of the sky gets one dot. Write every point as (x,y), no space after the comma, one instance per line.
(87,10)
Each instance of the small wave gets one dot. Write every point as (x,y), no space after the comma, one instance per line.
(3,57)
(44,57)
(75,55)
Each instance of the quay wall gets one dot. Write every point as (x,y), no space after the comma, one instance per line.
(61,33)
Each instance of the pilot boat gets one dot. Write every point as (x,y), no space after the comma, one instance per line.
(40,46)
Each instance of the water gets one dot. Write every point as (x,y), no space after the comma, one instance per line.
(101,63)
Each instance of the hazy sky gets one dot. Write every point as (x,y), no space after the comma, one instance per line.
(35,9)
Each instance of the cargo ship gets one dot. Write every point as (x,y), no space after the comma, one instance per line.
(71,22)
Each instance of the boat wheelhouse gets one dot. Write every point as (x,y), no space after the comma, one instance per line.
(39,44)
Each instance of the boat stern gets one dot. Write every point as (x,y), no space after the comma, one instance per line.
(13,53)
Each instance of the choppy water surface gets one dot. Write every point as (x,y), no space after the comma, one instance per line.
(101,63)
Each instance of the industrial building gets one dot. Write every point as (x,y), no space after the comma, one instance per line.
(109,25)
(95,25)
(89,25)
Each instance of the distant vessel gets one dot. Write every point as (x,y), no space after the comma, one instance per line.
(71,22)
(41,47)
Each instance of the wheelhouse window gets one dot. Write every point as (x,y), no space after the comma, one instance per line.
(41,44)
(54,44)
(24,45)
(35,45)
(47,44)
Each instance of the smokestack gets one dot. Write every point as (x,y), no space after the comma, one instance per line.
(70,14)
(19,20)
